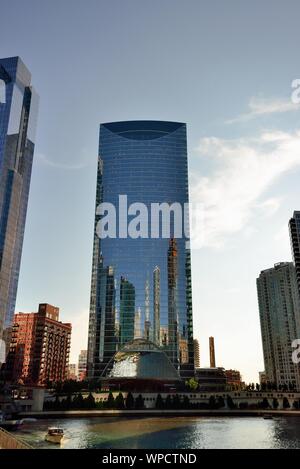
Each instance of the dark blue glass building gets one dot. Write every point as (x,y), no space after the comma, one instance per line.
(141,285)
(18,113)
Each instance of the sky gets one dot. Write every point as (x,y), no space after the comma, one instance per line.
(224,68)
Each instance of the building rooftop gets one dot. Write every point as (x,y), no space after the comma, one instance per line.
(142,129)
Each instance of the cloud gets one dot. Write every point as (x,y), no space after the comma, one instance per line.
(234,192)
(260,106)
(46,161)
(282,236)
(270,206)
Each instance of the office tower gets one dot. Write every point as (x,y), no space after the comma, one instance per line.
(147,327)
(156,305)
(197,353)
(262,378)
(164,337)
(72,372)
(18,113)
(127,311)
(173,301)
(212,357)
(183,350)
(137,324)
(294,228)
(39,348)
(106,338)
(82,362)
(279,311)
(143,162)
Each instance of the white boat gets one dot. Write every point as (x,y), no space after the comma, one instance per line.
(54,435)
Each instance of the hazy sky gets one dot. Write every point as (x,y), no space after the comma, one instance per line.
(223,67)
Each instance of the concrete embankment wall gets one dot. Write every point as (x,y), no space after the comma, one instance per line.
(8,441)
(158,413)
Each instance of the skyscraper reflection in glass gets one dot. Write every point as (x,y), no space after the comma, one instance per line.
(18,113)
(149,292)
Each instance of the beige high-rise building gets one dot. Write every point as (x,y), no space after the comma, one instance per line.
(279,311)
(72,371)
(163,336)
(183,351)
(137,324)
(196,353)
(82,363)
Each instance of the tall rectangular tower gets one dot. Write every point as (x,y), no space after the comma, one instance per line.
(144,163)
(294,228)
(212,357)
(18,113)
(279,310)
(197,353)
(82,359)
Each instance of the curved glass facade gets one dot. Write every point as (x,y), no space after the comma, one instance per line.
(141,359)
(141,285)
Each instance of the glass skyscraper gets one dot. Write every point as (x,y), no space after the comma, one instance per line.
(18,113)
(294,229)
(147,293)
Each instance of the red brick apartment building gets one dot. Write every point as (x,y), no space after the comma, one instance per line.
(39,347)
(234,378)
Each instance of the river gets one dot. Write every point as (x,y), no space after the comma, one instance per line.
(168,433)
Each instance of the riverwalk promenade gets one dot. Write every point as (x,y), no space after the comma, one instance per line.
(9,441)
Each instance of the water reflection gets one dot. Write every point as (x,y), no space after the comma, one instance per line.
(169,433)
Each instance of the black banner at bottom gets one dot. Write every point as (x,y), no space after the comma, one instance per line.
(141,458)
